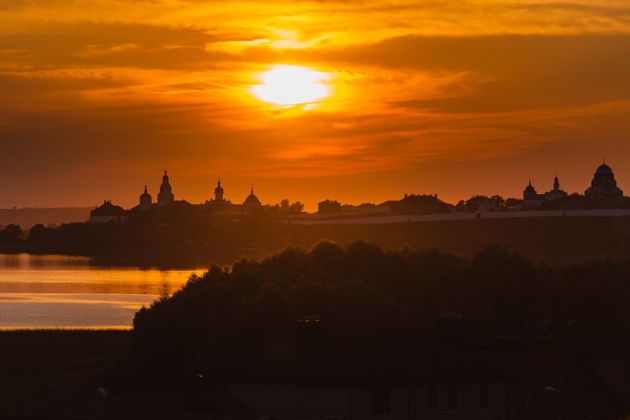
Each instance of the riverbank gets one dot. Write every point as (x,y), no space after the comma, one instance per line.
(56,373)
(191,245)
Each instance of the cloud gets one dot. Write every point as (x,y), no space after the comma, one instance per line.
(118,45)
(507,72)
(113,89)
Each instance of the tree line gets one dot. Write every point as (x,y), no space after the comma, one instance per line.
(358,289)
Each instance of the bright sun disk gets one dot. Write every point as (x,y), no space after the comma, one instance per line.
(291,85)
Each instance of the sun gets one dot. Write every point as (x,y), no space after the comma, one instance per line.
(287,85)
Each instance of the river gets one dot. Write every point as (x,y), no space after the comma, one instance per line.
(53,291)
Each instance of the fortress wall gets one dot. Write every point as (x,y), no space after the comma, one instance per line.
(307,220)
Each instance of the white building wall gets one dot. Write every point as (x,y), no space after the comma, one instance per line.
(306,220)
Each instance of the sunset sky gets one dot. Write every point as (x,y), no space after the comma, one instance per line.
(308,100)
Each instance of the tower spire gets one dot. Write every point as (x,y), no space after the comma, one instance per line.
(166,193)
(218,191)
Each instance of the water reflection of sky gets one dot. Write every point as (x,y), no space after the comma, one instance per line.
(51,291)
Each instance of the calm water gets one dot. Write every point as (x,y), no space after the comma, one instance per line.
(53,291)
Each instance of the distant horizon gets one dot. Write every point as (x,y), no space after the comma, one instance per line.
(312,206)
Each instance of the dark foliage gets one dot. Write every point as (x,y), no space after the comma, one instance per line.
(352,292)
(11,234)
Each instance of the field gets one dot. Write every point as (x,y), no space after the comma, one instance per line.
(55,373)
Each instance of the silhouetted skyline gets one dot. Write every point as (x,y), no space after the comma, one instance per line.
(603,186)
(310,98)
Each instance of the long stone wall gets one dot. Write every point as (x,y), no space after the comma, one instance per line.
(314,219)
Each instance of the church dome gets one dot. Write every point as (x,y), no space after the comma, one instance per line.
(604,185)
(252,199)
(530,188)
(604,170)
(145,195)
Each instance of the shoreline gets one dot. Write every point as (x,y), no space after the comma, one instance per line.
(67,329)
(553,240)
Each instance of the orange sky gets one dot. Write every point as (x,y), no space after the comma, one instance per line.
(453,97)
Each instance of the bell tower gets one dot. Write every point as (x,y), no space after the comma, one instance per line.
(166,194)
(218,192)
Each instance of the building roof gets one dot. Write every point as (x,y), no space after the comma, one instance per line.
(108,209)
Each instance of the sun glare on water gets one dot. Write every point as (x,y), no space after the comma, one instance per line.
(291,85)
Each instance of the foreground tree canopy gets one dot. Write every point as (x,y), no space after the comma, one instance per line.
(360,289)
